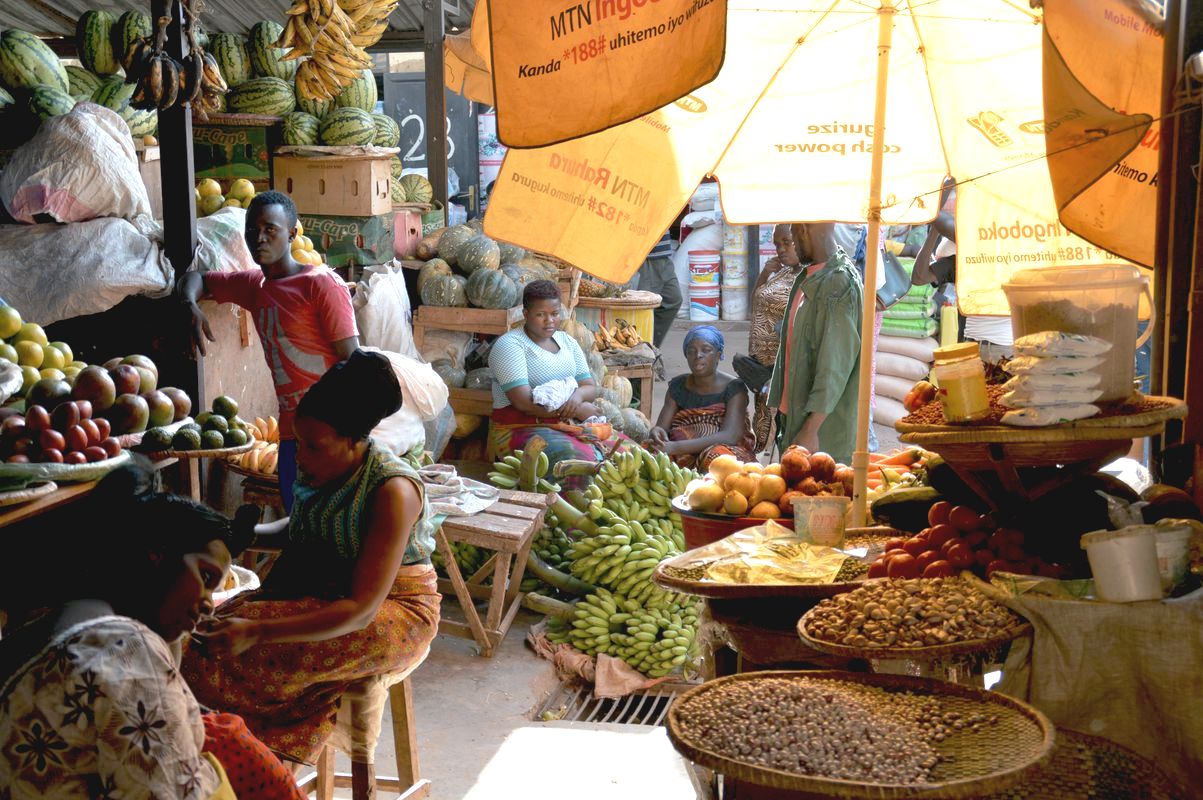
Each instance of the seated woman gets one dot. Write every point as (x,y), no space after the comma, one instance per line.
(538,355)
(705,413)
(353,594)
(91,702)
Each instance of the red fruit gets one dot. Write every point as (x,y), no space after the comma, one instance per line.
(895,543)
(988,522)
(960,556)
(889,555)
(51,439)
(65,417)
(941,534)
(111,446)
(975,540)
(948,545)
(1012,553)
(52,456)
(85,408)
(998,540)
(37,419)
(95,454)
(103,426)
(877,569)
(996,565)
(938,513)
(77,439)
(924,559)
(75,457)
(1011,535)
(939,569)
(964,518)
(914,546)
(983,557)
(13,427)
(903,566)
(18,459)
(92,429)
(24,446)
(822,467)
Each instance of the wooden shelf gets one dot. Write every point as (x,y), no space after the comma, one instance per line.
(472,401)
(487,321)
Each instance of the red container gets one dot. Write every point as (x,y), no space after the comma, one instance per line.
(407,232)
(702,529)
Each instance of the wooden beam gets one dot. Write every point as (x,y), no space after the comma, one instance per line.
(436,102)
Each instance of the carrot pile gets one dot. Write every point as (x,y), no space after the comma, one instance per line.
(896,468)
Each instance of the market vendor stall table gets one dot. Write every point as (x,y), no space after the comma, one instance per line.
(643,374)
(61,496)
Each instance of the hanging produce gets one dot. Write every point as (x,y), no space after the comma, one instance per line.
(163,82)
(332,35)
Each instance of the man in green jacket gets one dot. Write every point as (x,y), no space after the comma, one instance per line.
(814,386)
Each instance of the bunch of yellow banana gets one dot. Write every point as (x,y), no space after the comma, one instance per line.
(260,458)
(505,472)
(622,335)
(623,556)
(266,430)
(637,485)
(333,36)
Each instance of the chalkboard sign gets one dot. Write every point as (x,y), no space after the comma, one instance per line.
(405,102)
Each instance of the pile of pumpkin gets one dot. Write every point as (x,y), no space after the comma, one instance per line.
(466,268)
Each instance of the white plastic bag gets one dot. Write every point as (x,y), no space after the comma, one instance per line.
(421,387)
(451,345)
(77,167)
(1059,365)
(1042,416)
(1059,343)
(382,310)
(221,242)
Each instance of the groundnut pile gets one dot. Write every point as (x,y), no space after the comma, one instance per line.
(909,613)
(824,728)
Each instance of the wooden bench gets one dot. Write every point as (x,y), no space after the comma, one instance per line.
(508,528)
(642,374)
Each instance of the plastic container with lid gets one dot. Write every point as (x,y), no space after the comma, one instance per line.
(961,376)
(1124,563)
(1102,301)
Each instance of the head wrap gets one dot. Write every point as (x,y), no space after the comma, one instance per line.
(707,333)
(354,395)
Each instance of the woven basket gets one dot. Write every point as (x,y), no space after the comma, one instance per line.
(1169,408)
(631,298)
(986,455)
(992,760)
(222,452)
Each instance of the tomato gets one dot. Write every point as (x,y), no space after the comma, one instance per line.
(923,535)
(976,540)
(948,545)
(927,558)
(877,569)
(1011,535)
(111,446)
(895,543)
(960,556)
(85,408)
(988,522)
(983,557)
(104,427)
(903,566)
(998,540)
(93,431)
(37,418)
(890,554)
(95,454)
(938,513)
(964,518)
(1013,553)
(51,456)
(75,458)
(941,534)
(18,459)
(939,569)
(77,438)
(914,546)
(50,439)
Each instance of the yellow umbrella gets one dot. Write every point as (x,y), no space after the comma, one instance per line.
(792,131)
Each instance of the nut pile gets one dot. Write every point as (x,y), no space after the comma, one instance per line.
(933,413)
(694,572)
(825,728)
(909,613)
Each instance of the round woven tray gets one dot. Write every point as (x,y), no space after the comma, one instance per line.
(872,538)
(937,652)
(216,453)
(631,298)
(1089,768)
(241,470)
(1167,408)
(992,760)
(950,434)
(33,491)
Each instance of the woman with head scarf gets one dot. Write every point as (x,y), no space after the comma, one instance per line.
(353,595)
(705,413)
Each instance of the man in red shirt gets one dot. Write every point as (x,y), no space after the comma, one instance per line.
(303,314)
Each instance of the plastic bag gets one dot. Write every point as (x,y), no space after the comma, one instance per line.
(451,345)
(1068,381)
(438,432)
(77,167)
(1030,397)
(382,310)
(421,388)
(221,242)
(1060,365)
(1042,416)
(1059,343)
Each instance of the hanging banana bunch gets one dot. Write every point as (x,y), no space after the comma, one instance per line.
(332,36)
(164,82)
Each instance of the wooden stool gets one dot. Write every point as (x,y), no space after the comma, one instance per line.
(508,528)
(641,374)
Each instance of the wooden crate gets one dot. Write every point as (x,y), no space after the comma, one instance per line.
(472,401)
(341,186)
(487,321)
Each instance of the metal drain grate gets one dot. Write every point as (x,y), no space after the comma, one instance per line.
(573,702)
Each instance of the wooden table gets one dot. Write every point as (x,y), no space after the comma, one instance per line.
(56,499)
(644,375)
(508,528)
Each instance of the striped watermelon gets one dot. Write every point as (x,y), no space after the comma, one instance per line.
(129,28)
(272,96)
(46,102)
(417,189)
(265,59)
(81,82)
(94,42)
(114,93)
(6,99)
(301,128)
(395,168)
(360,94)
(26,61)
(141,123)
(316,108)
(348,126)
(229,50)
(388,133)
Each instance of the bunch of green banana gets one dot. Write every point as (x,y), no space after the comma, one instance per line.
(507,473)
(622,556)
(553,545)
(469,557)
(638,485)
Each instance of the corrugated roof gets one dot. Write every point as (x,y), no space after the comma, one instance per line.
(57,17)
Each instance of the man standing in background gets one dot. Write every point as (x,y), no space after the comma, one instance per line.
(658,275)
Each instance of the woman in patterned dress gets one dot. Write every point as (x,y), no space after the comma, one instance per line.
(91,702)
(353,594)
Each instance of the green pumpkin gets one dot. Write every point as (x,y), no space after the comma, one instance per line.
(446,291)
(451,240)
(431,269)
(511,253)
(452,375)
(479,252)
(490,288)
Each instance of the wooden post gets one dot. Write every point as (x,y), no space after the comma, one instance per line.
(436,102)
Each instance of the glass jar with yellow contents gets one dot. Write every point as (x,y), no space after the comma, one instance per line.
(962,380)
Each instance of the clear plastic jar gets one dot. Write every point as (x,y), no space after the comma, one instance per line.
(961,376)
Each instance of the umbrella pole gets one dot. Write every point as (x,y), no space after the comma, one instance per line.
(860,458)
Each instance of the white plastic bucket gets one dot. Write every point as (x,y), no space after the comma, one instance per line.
(1124,563)
(735,238)
(1102,301)
(705,268)
(703,303)
(735,302)
(735,269)
(820,520)
(1173,554)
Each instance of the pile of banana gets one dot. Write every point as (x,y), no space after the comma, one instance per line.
(654,641)
(553,545)
(333,35)
(469,558)
(265,450)
(637,485)
(505,472)
(623,555)
(164,82)
(622,335)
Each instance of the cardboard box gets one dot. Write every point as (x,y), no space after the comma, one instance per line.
(350,240)
(232,146)
(342,186)
(407,232)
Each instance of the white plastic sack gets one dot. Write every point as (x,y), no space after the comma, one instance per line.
(77,167)
(52,272)
(451,345)
(707,238)
(382,310)
(221,242)
(421,387)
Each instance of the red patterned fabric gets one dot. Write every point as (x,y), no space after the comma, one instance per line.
(252,769)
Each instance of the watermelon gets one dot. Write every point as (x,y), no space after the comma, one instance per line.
(270,96)
(417,189)
(490,288)
(94,42)
(451,240)
(141,122)
(230,53)
(388,133)
(265,58)
(431,269)
(317,108)
(6,99)
(301,128)
(114,93)
(395,168)
(479,252)
(348,126)
(445,290)
(360,94)
(46,102)
(395,191)
(81,82)
(129,28)
(26,61)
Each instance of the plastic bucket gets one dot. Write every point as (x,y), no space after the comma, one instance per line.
(705,268)
(703,304)
(820,520)
(735,238)
(1102,301)
(1124,563)
(735,302)
(1173,554)
(735,270)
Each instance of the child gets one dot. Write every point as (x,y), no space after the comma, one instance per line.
(303,314)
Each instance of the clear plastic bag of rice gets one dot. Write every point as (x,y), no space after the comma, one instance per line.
(1059,343)
(1043,416)
(1053,365)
